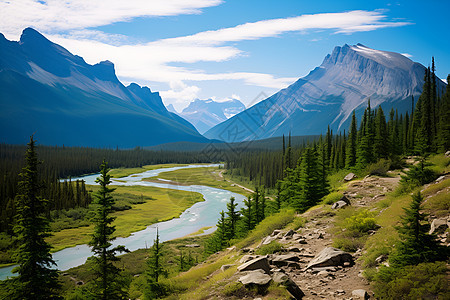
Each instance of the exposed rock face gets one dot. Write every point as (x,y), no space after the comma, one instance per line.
(330,257)
(339,204)
(439,226)
(329,94)
(255,264)
(257,277)
(291,286)
(284,259)
(349,176)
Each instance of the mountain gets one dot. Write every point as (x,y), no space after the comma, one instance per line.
(171,109)
(46,90)
(205,114)
(344,82)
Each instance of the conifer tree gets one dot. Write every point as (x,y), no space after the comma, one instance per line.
(380,146)
(248,215)
(444,123)
(416,245)
(36,279)
(364,149)
(107,283)
(308,182)
(350,159)
(233,217)
(155,270)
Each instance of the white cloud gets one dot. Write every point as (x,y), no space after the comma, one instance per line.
(407,55)
(69,23)
(53,16)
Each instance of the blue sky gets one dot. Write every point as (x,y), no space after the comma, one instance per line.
(223,49)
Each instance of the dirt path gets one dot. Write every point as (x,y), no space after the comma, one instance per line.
(338,282)
(232,182)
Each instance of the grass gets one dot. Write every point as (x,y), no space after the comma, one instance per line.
(208,176)
(134,264)
(167,204)
(123,172)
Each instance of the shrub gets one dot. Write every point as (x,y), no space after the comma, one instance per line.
(270,248)
(332,198)
(424,281)
(360,223)
(416,176)
(349,244)
(379,168)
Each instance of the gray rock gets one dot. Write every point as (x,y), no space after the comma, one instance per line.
(291,286)
(284,259)
(247,258)
(226,267)
(447,153)
(257,277)
(381,259)
(261,263)
(330,257)
(339,204)
(289,234)
(349,176)
(345,199)
(438,226)
(192,246)
(360,294)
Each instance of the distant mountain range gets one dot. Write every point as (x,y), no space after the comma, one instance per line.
(344,82)
(205,114)
(46,90)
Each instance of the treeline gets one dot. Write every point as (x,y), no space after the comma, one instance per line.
(64,162)
(425,130)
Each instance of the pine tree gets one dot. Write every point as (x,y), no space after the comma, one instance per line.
(380,147)
(36,279)
(444,123)
(155,270)
(233,217)
(248,215)
(107,283)
(350,159)
(416,245)
(308,182)
(364,149)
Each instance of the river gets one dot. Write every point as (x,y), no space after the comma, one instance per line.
(201,214)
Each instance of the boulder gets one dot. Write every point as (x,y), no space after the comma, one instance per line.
(339,204)
(192,246)
(447,153)
(226,267)
(289,234)
(291,286)
(268,239)
(257,277)
(247,258)
(261,263)
(284,259)
(360,294)
(438,226)
(345,199)
(330,257)
(349,176)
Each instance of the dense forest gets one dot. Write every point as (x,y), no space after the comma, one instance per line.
(64,162)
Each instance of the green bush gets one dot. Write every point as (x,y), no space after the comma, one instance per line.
(332,197)
(416,176)
(270,248)
(424,281)
(379,168)
(349,244)
(361,223)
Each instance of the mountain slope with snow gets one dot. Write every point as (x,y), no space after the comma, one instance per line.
(345,81)
(205,114)
(47,90)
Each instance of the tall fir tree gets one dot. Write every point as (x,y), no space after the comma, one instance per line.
(416,245)
(155,269)
(233,217)
(350,159)
(380,147)
(108,284)
(444,123)
(36,279)
(308,182)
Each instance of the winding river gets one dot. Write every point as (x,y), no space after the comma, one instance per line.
(199,215)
